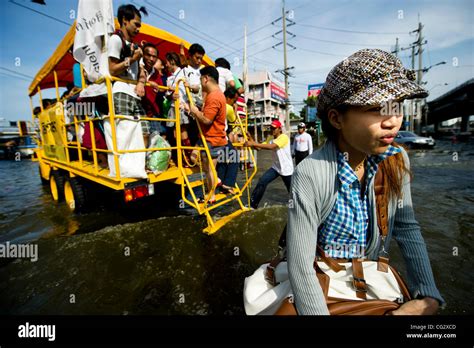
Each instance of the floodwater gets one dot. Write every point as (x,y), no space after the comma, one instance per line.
(155,261)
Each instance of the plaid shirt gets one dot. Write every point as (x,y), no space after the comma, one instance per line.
(344,233)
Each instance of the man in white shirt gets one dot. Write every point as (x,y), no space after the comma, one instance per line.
(282,162)
(226,78)
(124,57)
(302,144)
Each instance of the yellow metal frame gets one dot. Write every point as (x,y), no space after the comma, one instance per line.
(179,174)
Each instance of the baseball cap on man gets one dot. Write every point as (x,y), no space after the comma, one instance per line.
(368,77)
(276,124)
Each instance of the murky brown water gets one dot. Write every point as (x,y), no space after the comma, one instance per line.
(172,268)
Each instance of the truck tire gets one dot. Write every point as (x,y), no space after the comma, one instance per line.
(43,180)
(75,194)
(56,185)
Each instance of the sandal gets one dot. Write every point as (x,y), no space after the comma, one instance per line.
(227,190)
(211,201)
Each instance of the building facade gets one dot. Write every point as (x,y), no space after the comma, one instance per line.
(265,100)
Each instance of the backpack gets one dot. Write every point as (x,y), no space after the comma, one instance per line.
(126,49)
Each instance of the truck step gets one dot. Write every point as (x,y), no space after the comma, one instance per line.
(211,229)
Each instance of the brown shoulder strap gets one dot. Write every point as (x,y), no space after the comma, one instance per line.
(381,199)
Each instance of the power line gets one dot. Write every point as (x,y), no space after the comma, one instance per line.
(188,25)
(204,36)
(248,34)
(12,76)
(195,34)
(353,31)
(41,13)
(319,52)
(16,72)
(262,27)
(265,49)
(341,43)
(255,43)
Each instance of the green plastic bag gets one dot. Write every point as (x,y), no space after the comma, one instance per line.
(158,161)
(166,106)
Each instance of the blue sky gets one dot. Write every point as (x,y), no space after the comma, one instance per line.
(326,32)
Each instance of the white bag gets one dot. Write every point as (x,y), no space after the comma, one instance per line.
(129,137)
(262,298)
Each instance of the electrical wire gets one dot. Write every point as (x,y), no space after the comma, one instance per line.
(353,31)
(41,13)
(342,43)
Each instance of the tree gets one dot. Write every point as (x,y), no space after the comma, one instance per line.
(310,101)
(293,116)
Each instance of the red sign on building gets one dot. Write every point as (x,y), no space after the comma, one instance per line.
(277,92)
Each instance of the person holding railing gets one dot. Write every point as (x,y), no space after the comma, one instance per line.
(124,57)
(176,74)
(212,120)
(154,78)
(123,63)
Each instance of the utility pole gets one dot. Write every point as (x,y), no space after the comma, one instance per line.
(286,69)
(419,103)
(420,53)
(397,48)
(285,63)
(412,119)
(417,44)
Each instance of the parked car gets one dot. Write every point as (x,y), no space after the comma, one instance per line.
(414,141)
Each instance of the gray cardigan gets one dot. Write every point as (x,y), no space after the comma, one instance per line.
(314,189)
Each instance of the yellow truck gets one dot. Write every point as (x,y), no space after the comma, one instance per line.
(66,165)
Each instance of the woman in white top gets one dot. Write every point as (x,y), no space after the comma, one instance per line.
(176,74)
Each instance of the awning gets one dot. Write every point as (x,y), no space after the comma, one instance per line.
(62,60)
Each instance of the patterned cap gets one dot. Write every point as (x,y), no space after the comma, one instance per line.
(368,77)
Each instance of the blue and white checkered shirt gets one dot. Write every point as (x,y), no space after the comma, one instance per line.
(344,233)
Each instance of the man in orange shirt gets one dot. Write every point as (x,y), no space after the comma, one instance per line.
(212,119)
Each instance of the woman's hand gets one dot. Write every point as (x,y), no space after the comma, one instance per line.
(425,306)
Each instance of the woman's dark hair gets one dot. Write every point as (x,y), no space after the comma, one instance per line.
(173,57)
(128,12)
(329,131)
(210,71)
(222,63)
(393,166)
(196,48)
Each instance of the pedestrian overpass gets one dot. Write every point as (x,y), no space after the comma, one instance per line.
(458,102)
